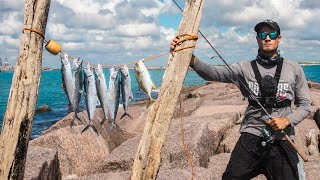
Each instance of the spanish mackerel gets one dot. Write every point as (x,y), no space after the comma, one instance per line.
(114,89)
(90,95)
(126,92)
(77,75)
(102,91)
(67,80)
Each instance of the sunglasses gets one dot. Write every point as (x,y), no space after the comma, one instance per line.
(272,35)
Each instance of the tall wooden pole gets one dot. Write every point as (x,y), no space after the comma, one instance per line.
(23,95)
(147,159)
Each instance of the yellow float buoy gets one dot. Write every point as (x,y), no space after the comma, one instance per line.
(53,47)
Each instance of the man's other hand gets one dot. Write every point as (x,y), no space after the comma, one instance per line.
(279,123)
(174,44)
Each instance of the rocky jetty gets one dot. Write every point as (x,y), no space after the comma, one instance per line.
(210,116)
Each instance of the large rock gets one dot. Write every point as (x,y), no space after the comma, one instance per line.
(187,107)
(112,137)
(106,176)
(78,153)
(218,164)
(314,85)
(316,117)
(218,111)
(312,168)
(302,130)
(216,89)
(121,159)
(182,174)
(230,139)
(42,163)
(202,136)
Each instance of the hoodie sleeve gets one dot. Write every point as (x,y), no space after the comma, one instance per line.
(302,99)
(216,73)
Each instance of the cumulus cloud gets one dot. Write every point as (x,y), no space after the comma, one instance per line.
(118,31)
(137,30)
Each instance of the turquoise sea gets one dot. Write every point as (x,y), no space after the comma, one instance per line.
(52,94)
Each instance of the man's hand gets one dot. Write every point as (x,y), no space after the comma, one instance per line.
(278,123)
(174,44)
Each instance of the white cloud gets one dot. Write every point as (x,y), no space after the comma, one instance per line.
(136,30)
(10,23)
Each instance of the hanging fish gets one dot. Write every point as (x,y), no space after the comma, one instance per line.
(77,75)
(126,91)
(114,90)
(90,95)
(67,80)
(102,91)
(144,81)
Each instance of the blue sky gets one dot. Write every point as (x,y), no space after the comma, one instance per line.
(123,31)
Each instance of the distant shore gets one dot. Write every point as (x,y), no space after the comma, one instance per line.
(309,63)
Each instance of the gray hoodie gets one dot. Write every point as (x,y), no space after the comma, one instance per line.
(292,86)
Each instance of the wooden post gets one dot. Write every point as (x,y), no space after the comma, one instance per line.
(23,95)
(147,159)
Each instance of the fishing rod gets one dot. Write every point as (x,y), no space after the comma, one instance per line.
(267,135)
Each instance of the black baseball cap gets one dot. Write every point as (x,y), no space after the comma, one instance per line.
(267,22)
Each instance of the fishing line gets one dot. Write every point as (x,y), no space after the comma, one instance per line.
(251,94)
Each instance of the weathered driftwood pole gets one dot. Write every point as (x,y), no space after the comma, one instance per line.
(23,95)
(147,159)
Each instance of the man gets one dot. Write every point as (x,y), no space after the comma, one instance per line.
(276,83)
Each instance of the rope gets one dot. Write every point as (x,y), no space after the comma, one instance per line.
(182,138)
(32,30)
(108,66)
(189,37)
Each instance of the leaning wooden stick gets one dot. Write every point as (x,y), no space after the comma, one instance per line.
(148,156)
(302,155)
(17,123)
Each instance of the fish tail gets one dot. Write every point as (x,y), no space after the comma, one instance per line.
(151,101)
(70,108)
(113,125)
(126,114)
(73,120)
(103,120)
(153,86)
(87,127)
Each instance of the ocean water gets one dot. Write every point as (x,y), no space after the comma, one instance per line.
(52,94)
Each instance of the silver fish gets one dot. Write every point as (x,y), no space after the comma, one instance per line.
(102,91)
(90,95)
(77,75)
(144,81)
(67,80)
(114,89)
(126,91)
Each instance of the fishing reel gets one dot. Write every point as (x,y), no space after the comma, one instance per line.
(267,136)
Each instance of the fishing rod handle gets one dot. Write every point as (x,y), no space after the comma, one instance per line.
(302,155)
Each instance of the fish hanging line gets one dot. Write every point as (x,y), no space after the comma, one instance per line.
(251,95)
(54,48)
